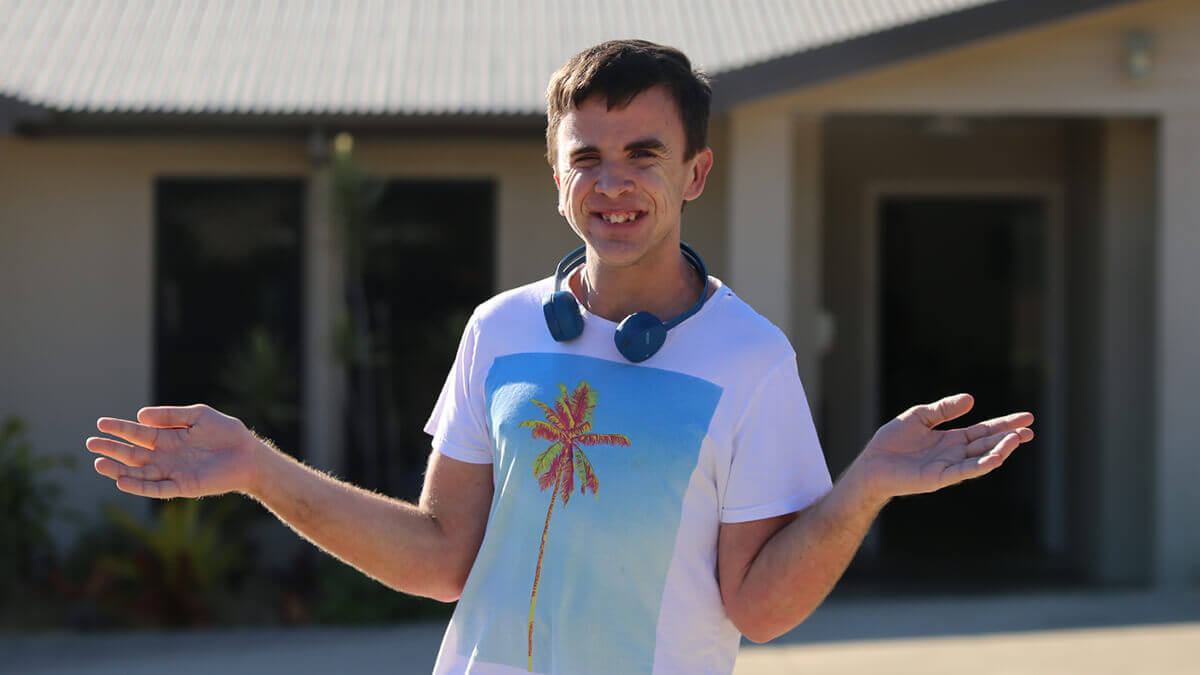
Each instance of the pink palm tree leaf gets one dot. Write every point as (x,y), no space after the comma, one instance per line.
(587,477)
(603,439)
(542,430)
(551,415)
(583,401)
(552,475)
(563,406)
(568,474)
(543,462)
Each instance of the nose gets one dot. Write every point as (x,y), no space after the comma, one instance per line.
(613,180)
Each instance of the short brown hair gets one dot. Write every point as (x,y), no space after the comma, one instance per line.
(619,70)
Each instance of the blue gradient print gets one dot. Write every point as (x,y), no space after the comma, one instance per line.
(607,555)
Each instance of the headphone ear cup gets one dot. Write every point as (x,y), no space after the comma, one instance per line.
(639,336)
(563,317)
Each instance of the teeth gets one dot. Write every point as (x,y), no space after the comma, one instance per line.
(619,217)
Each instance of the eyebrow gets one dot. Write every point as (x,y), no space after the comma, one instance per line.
(642,144)
(646,144)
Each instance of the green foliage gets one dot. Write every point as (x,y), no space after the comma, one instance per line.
(28,504)
(172,572)
(354,195)
(347,596)
(259,384)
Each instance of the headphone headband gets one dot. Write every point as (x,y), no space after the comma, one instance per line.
(640,335)
(579,256)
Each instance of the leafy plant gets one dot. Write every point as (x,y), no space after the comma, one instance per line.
(178,569)
(347,596)
(28,504)
(354,194)
(259,384)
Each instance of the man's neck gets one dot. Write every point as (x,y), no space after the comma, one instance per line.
(665,289)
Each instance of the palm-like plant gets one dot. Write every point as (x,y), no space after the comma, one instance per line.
(568,425)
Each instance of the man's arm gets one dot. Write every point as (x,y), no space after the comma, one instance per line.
(424,549)
(774,572)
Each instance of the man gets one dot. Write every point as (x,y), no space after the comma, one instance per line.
(710,514)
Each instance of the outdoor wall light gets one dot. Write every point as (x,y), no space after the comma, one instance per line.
(946,126)
(1139,54)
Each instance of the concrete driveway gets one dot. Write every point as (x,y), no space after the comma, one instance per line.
(1076,632)
(1131,633)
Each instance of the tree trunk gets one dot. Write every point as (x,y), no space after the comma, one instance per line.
(538,574)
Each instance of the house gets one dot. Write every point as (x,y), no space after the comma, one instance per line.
(929,196)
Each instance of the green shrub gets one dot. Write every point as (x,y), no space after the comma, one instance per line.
(29,502)
(176,571)
(347,596)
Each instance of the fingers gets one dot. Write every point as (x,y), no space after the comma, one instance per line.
(137,480)
(115,470)
(997,425)
(159,489)
(944,410)
(124,453)
(976,466)
(138,434)
(987,443)
(171,416)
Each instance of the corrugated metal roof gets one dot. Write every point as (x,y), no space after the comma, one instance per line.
(383,56)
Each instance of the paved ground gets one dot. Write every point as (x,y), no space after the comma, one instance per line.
(1078,632)
(1051,633)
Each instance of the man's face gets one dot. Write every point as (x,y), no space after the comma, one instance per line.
(622,178)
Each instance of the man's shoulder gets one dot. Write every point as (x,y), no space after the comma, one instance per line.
(743,330)
(514,303)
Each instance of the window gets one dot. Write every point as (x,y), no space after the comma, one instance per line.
(227,300)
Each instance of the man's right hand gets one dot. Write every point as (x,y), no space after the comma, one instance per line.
(189,451)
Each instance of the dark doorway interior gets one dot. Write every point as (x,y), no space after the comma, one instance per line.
(963,300)
(228,299)
(428,263)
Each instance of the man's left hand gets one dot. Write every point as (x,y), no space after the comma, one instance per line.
(909,455)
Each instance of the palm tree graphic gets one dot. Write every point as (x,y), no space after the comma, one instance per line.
(567,426)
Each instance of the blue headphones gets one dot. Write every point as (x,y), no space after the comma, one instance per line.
(639,336)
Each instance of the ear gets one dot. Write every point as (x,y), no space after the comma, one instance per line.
(701,164)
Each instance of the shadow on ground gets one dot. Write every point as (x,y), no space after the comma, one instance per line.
(858,617)
(412,648)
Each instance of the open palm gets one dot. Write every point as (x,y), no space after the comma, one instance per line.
(908,455)
(189,451)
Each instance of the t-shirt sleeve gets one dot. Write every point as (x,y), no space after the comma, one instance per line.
(777,465)
(458,424)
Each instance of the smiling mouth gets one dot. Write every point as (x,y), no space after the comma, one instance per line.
(617,217)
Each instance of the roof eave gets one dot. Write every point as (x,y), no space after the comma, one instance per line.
(15,113)
(795,71)
(191,124)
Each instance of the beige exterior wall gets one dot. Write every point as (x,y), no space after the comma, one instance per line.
(1071,67)
(1177,336)
(76,265)
(76,228)
(76,242)
(1140,229)
(1125,332)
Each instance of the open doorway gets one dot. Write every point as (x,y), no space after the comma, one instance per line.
(966,302)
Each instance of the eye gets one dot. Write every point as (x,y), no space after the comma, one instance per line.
(585,160)
(642,154)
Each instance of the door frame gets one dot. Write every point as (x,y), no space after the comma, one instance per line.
(1050,424)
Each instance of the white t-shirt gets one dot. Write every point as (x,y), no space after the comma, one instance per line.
(643,462)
